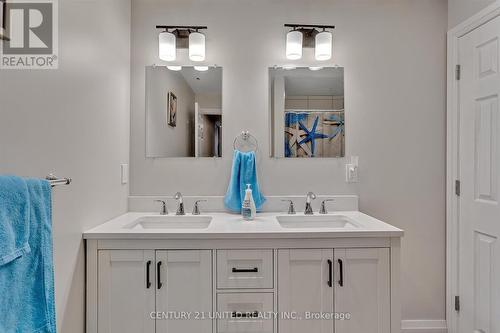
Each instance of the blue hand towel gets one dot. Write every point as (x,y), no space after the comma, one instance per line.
(14,218)
(27,283)
(243,172)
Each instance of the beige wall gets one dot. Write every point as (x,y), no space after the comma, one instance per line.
(394,56)
(74,121)
(460,10)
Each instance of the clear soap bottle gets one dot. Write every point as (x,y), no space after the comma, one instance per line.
(248,209)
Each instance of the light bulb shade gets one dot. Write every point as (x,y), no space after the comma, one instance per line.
(294,45)
(174,68)
(166,46)
(323,47)
(201,68)
(196,46)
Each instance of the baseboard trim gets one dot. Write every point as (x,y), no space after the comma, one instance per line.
(424,326)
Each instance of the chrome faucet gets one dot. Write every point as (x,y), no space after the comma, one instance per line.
(180,205)
(323,209)
(163,210)
(310,196)
(291,207)
(196,207)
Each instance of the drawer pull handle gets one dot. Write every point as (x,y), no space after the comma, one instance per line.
(148,280)
(245,270)
(238,314)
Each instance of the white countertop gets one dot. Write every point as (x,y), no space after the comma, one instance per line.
(232,226)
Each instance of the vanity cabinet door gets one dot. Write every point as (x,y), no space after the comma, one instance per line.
(305,285)
(362,289)
(125,296)
(184,290)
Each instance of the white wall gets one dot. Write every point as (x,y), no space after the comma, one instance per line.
(394,58)
(74,121)
(460,10)
(163,140)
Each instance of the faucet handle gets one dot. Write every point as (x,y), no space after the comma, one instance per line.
(164,210)
(310,196)
(196,208)
(323,206)
(291,206)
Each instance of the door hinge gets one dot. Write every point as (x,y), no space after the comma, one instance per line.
(457,187)
(458,70)
(457,303)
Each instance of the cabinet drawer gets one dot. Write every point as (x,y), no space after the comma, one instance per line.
(245,312)
(244,269)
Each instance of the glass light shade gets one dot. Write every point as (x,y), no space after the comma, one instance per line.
(196,46)
(174,68)
(201,68)
(323,48)
(294,45)
(166,46)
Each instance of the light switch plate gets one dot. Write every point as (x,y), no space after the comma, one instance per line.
(351,173)
(124,173)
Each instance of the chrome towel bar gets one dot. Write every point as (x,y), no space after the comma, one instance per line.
(54,181)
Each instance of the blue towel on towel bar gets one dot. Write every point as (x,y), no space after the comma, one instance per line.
(14,218)
(27,283)
(244,171)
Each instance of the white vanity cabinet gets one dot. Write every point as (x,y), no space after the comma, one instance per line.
(125,298)
(243,277)
(362,289)
(304,285)
(349,285)
(137,289)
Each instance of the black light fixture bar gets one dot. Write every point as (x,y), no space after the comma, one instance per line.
(183,27)
(296,26)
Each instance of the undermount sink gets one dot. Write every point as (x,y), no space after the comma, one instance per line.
(171,222)
(316,221)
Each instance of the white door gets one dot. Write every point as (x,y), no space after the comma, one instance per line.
(362,290)
(305,285)
(184,289)
(479,166)
(126,292)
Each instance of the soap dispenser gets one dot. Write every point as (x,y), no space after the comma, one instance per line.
(248,209)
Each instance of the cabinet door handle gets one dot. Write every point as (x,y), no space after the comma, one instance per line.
(330,274)
(148,280)
(158,275)
(341,268)
(245,270)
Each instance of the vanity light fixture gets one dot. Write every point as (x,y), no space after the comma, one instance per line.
(167,46)
(174,68)
(201,68)
(181,37)
(323,49)
(196,46)
(309,36)
(294,45)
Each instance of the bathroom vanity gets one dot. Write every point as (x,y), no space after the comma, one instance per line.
(216,273)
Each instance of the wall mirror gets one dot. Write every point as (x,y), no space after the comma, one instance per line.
(307,112)
(183,111)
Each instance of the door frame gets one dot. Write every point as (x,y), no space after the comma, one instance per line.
(452,154)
